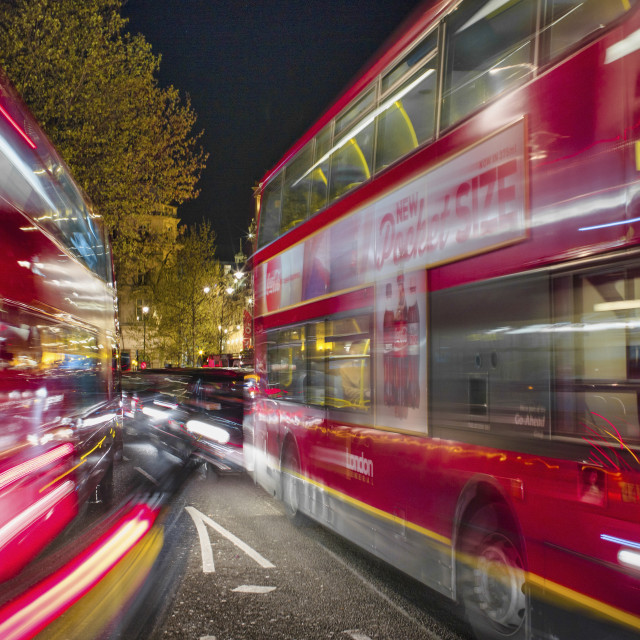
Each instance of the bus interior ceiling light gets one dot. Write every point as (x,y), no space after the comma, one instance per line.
(489,10)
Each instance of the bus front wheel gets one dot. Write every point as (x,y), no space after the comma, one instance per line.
(491,576)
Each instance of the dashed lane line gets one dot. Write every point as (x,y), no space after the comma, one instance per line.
(253,588)
(148,476)
(354,634)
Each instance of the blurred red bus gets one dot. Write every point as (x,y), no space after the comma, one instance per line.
(59,397)
(447,325)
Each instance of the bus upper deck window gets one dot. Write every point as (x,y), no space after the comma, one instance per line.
(319,173)
(352,151)
(407,110)
(488,52)
(270,211)
(297,186)
(569,21)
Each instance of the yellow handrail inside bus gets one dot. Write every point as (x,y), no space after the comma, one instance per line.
(400,135)
(365,167)
(319,173)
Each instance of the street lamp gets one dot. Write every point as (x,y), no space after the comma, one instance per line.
(145,310)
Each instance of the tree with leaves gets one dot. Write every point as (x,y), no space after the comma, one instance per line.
(227,310)
(183,294)
(93,88)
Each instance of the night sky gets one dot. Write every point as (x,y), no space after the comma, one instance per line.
(258,74)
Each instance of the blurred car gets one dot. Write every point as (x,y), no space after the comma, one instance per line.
(191,413)
(146,396)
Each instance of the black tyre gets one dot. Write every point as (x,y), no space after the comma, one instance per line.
(491,576)
(292,485)
(206,471)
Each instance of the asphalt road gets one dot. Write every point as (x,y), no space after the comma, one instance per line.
(238,569)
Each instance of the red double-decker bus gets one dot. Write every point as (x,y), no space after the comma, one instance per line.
(447,314)
(59,384)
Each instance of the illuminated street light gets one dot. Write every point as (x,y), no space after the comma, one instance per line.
(145,310)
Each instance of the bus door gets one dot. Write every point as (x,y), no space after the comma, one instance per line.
(348,381)
(266,426)
(295,360)
(261,426)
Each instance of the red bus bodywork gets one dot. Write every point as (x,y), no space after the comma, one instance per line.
(517,462)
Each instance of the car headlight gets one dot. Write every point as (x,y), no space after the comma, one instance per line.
(208,431)
(157,414)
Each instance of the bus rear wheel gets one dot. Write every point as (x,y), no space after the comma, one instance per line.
(292,485)
(491,576)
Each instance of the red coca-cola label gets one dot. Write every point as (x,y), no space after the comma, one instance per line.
(273,285)
(400,339)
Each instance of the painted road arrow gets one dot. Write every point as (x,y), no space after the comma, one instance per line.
(200,520)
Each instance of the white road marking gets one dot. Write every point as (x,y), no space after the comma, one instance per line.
(354,634)
(147,475)
(205,544)
(252,588)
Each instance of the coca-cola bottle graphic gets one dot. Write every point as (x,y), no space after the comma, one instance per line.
(387,350)
(400,343)
(413,348)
